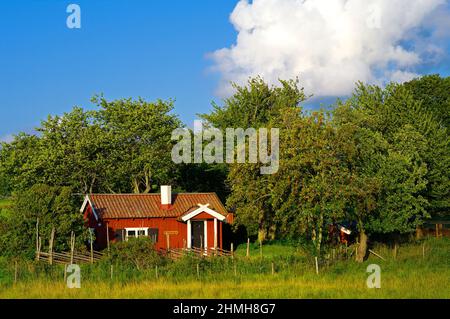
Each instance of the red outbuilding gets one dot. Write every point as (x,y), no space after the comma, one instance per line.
(171,220)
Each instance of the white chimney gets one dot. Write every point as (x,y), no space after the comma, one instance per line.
(166,194)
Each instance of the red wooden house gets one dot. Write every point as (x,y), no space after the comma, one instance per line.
(170,220)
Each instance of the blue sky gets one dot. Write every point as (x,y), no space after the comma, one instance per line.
(153,49)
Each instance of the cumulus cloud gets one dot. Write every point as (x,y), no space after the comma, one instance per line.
(331,44)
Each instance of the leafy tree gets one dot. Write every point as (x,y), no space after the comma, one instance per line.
(140,133)
(308,188)
(73,151)
(391,162)
(203,177)
(122,147)
(54,207)
(5,188)
(253,106)
(434,93)
(17,166)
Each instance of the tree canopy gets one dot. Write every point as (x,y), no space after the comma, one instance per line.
(379,159)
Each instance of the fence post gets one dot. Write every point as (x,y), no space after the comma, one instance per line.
(423,251)
(201,245)
(112,271)
(37,238)
(273,268)
(317,265)
(248,247)
(52,237)
(156,271)
(92,246)
(232,251)
(107,238)
(72,246)
(38,255)
(395,251)
(198,271)
(15,272)
(260,248)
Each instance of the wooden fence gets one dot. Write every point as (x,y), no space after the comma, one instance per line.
(68,257)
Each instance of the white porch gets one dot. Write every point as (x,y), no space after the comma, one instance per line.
(192,229)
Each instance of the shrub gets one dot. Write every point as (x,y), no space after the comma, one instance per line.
(136,252)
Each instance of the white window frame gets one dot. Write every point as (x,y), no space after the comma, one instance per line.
(136,230)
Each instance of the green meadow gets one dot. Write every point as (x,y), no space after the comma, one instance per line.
(416,270)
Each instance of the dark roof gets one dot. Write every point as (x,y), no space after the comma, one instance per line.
(149,205)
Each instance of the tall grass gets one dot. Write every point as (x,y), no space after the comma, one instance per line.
(408,275)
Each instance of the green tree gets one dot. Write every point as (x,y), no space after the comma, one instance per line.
(17,162)
(73,151)
(434,93)
(253,106)
(391,159)
(54,207)
(122,147)
(308,188)
(140,134)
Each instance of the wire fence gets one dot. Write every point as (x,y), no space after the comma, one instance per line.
(212,268)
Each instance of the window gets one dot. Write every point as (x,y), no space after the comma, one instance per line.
(141,232)
(136,232)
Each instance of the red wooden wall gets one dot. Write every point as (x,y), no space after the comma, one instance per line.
(162,224)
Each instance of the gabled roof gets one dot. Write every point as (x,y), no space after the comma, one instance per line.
(149,205)
(203,209)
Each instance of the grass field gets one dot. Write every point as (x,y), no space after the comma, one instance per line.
(408,275)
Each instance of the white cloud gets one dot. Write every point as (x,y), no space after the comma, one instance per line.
(329,44)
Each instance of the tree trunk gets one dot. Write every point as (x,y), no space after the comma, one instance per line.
(136,189)
(272,231)
(419,232)
(111,190)
(262,233)
(319,241)
(91,187)
(362,247)
(148,182)
(313,236)
(319,235)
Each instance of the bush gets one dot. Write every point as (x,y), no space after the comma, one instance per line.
(136,252)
